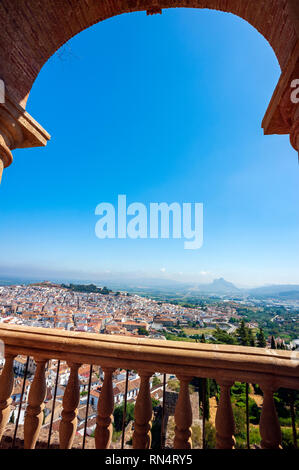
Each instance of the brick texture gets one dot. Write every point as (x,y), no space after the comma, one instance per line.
(32,30)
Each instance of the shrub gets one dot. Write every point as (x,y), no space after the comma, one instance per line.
(210,436)
(287,438)
(116,435)
(254,436)
(174,385)
(156,381)
(118,415)
(196,437)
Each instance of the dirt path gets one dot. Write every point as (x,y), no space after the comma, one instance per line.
(213,410)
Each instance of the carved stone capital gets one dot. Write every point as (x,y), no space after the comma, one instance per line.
(268,386)
(11,136)
(17,130)
(225,383)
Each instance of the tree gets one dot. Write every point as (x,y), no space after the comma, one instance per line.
(222,337)
(240,420)
(204,404)
(273,345)
(251,338)
(156,381)
(242,334)
(142,331)
(155,402)
(203,338)
(118,415)
(261,340)
(210,436)
(12,417)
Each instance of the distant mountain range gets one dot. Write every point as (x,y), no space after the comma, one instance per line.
(217,287)
(290,291)
(221,286)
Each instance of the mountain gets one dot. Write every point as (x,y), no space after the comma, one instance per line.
(218,286)
(290,291)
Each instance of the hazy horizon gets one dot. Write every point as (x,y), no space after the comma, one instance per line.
(140,277)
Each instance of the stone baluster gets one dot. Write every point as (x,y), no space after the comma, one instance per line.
(104,427)
(6,387)
(183,416)
(143,414)
(34,412)
(269,424)
(71,398)
(225,424)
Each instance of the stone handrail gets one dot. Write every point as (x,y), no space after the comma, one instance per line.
(226,364)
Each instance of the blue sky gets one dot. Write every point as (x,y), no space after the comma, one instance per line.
(161,108)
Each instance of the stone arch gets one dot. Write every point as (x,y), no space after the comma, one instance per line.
(34,30)
(31,34)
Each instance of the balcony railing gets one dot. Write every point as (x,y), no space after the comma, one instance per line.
(271,369)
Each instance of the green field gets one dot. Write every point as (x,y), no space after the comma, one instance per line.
(198,331)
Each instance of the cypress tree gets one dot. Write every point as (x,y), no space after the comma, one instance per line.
(261,340)
(251,338)
(242,334)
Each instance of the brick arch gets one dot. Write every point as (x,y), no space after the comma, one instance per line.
(33,30)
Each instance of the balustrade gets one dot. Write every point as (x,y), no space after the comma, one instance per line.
(227,364)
